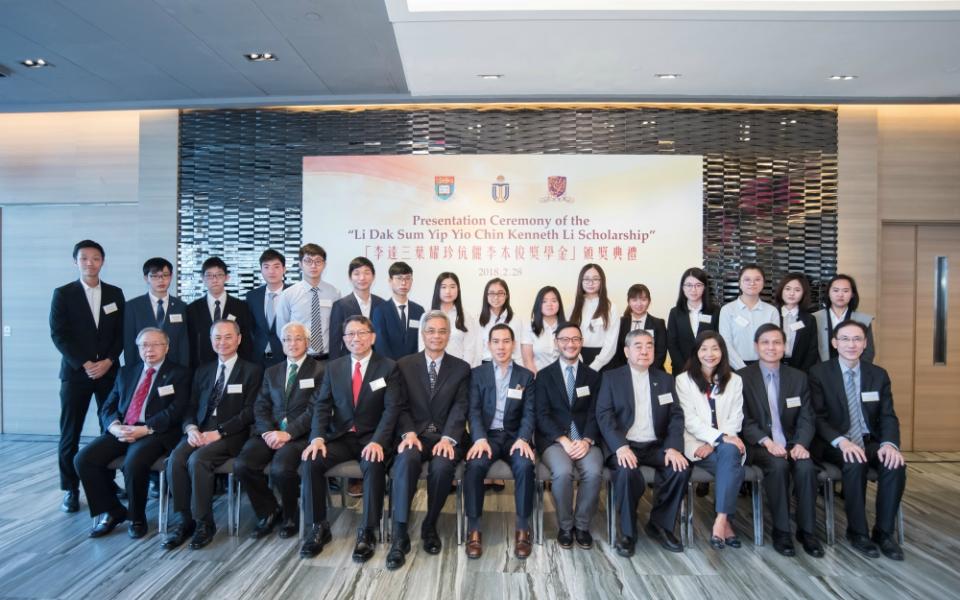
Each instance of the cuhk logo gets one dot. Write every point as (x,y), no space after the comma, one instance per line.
(556,189)
(443,186)
(500,189)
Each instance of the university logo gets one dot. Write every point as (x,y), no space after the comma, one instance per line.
(556,190)
(443,186)
(500,189)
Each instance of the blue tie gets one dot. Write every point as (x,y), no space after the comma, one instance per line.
(160,313)
(571,384)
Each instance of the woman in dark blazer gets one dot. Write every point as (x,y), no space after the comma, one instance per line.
(792,297)
(636,317)
(694,307)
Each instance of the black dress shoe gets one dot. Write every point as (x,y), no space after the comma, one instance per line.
(784,545)
(265,525)
(154,490)
(733,541)
(366,545)
(71,501)
(107,523)
(666,538)
(583,537)
(431,541)
(625,546)
(716,542)
(203,535)
(317,538)
(565,538)
(289,528)
(398,552)
(863,545)
(137,529)
(811,545)
(178,535)
(890,548)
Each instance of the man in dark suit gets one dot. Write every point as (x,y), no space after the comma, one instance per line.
(142,417)
(396,321)
(86,326)
(354,415)
(857,428)
(283,415)
(216,304)
(263,302)
(778,427)
(435,388)
(502,415)
(567,435)
(360,302)
(216,424)
(642,424)
(157,308)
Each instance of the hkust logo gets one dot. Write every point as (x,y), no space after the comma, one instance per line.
(500,189)
(443,186)
(556,190)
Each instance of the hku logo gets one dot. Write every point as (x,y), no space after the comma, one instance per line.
(500,189)
(443,186)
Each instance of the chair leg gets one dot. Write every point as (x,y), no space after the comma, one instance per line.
(343,492)
(686,515)
(829,512)
(458,498)
(238,499)
(611,516)
(757,513)
(538,510)
(900,524)
(162,504)
(386,528)
(230,501)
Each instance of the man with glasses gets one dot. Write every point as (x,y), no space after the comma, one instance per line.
(857,428)
(309,302)
(215,305)
(157,308)
(567,435)
(354,415)
(396,321)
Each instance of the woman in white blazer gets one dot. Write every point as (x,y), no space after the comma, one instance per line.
(711,396)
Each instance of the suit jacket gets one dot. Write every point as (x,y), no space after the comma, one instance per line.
(390,331)
(698,422)
(519,415)
(263,332)
(554,411)
(680,338)
(199,322)
(342,309)
(797,422)
(824,333)
(446,408)
(655,326)
(235,411)
(78,337)
(805,352)
(163,413)
(272,404)
(830,402)
(138,314)
(376,413)
(616,409)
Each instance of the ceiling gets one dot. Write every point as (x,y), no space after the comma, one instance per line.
(189,53)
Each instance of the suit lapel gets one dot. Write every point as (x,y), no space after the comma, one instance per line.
(80,298)
(424,375)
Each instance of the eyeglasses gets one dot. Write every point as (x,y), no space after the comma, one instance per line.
(312,262)
(592,280)
(148,345)
(693,286)
(356,334)
(846,340)
(432,331)
(500,294)
(214,276)
(290,340)
(402,278)
(159,276)
(569,340)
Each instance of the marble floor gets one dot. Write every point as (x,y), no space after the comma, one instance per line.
(47,554)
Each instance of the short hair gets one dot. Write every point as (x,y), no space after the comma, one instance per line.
(156,265)
(146,330)
(399,268)
(751,267)
(312,250)
(214,262)
(566,325)
(854,294)
(358,262)
(88,244)
(271,254)
(357,319)
(436,314)
(291,325)
(766,328)
(500,327)
(847,323)
(634,335)
(236,326)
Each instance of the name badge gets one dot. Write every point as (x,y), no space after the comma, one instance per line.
(177,318)
(110,308)
(515,393)
(706,318)
(306,384)
(665,399)
(741,321)
(797,326)
(231,317)
(325,302)
(583,391)
(414,324)
(377,384)
(235,388)
(870,396)
(793,402)
(165,390)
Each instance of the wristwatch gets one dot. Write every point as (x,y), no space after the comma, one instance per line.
(221,431)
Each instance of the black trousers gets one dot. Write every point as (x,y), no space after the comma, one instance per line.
(284,464)
(629,486)
(74,402)
(345,448)
(777,473)
(191,477)
(476,471)
(406,473)
(91,465)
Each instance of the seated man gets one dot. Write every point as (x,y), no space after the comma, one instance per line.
(142,418)
(283,413)
(216,424)
(567,435)
(642,424)
(435,389)
(502,406)
(354,415)
(856,429)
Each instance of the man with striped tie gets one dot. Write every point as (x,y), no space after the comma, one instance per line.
(309,302)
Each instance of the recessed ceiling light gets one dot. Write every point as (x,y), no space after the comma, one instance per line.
(35,63)
(842,77)
(490,75)
(261,56)
(667,75)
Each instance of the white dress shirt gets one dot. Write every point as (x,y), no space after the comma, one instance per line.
(738,324)
(94,293)
(211,304)
(544,349)
(295,305)
(642,429)
(596,336)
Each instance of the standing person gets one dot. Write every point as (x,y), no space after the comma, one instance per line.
(711,396)
(792,297)
(309,302)
(539,347)
(360,302)
(636,317)
(841,305)
(465,330)
(397,321)
(596,316)
(693,314)
(86,326)
(215,305)
(157,308)
(496,309)
(263,302)
(740,319)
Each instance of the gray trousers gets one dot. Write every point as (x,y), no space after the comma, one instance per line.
(589,471)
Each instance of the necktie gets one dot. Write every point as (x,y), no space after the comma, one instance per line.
(291,379)
(773,399)
(574,432)
(217,315)
(712,401)
(316,322)
(160,313)
(433,376)
(856,432)
(271,309)
(403,324)
(636,325)
(217,391)
(357,383)
(139,398)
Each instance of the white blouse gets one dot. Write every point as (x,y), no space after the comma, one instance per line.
(544,350)
(596,336)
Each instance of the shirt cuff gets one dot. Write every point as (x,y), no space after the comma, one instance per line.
(763,439)
(836,442)
(895,447)
(190,428)
(718,439)
(450,439)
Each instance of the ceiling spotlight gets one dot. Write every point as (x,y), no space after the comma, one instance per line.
(667,75)
(35,63)
(490,76)
(261,56)
(842,77)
